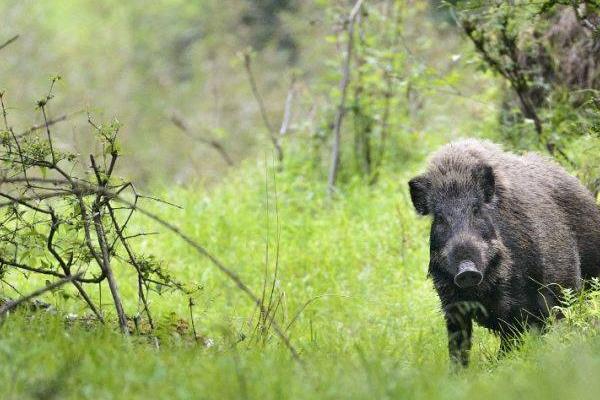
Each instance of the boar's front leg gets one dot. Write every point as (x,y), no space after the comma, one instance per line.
(460,328)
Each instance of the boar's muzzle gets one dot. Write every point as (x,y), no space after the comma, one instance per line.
(467,275)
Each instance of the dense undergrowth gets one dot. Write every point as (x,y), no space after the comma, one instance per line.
(372,328)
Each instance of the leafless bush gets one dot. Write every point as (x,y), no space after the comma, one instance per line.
(63,220)
(58,222)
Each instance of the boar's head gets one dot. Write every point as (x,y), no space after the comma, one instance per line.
(462,200)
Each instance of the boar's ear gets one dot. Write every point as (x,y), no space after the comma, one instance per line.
(484,176)
(419,187)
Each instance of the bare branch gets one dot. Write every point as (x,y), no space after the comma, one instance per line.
(105,255)
(215,144)
(50,122)
(261,106)
(4,112)
(29,268)
(132,260)
(337,126)
(11,305)
(66,267)
(9,41)
(287,113)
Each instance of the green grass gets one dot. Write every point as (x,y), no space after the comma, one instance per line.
(372,330)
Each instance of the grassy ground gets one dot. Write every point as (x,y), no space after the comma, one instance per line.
(372,328)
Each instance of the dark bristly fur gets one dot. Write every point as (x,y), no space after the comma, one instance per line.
(528,226)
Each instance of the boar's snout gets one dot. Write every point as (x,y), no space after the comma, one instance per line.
(467,275)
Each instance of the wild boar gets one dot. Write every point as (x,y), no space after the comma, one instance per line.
(508,232)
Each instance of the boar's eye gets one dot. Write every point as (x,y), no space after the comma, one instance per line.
(476,209)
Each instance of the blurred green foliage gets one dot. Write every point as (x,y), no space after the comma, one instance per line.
(144,62)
